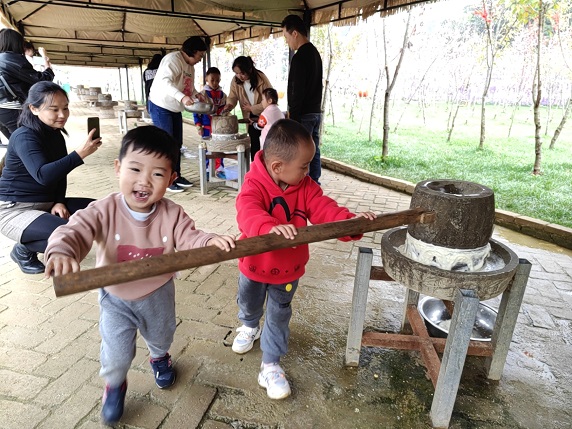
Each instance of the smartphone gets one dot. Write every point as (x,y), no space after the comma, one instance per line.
(93,122)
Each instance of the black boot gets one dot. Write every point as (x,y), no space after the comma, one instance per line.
(26,260)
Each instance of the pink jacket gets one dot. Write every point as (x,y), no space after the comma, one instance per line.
(119,237)
(271,114)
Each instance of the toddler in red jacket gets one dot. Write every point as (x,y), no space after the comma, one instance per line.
(278,197)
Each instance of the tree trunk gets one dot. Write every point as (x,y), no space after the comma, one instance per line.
(414,92)
(373,100)
(459,102)
(513,114)
(389,88)
(561,125)
(490,55)
(453,122)
(537,96)
(517,105)
(331,109)
(327,86)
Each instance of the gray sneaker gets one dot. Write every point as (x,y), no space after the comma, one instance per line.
(245,339)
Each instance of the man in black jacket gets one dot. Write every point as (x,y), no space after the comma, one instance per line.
(305,84)
(17,75)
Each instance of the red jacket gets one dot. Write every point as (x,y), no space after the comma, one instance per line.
(262,204)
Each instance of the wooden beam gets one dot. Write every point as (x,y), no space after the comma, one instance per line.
(411,342)
(428,352)
(134,270)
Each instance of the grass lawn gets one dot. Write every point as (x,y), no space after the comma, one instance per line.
(419,150)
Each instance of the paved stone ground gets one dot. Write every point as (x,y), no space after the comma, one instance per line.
(49,347)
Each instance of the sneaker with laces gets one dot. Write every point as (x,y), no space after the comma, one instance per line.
(163,371)
(245,339)
(175,188)
(112,403)
(273,379)
(182,182)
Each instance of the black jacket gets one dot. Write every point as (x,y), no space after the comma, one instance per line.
(305,82)
(37,166)
(20,76)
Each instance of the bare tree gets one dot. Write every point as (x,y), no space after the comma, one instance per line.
(497,33)
(568,107)
(537,94)
(391,83)
(460,102)
(561,124)
(327,89)
(412,94)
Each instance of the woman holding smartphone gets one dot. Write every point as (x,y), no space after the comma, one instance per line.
(33,183)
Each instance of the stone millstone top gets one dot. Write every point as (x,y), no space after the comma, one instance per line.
(227,124)
(464,213)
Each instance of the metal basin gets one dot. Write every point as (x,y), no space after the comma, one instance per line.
(443,284)
(200,107)
(438,319)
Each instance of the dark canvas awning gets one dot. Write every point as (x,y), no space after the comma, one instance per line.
(112,33)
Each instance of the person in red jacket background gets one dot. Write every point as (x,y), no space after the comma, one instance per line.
(278,197)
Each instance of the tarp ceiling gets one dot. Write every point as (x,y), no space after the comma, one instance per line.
(116,33)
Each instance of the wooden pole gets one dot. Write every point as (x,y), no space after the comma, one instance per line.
(134,270)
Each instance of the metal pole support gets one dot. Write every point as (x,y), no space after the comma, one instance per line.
(359,303)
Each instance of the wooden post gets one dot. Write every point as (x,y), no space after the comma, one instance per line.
(134,270)
(506,320)
(466,306)
(411,298)
(359,303)
(203,179)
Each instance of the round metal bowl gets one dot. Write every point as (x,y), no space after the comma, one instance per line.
(200,107)
(437,319)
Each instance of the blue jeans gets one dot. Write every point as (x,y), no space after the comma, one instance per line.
(276,331)
(311,121)
(172,122)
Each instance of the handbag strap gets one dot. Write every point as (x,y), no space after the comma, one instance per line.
(8,87)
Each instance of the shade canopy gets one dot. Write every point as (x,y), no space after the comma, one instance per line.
(113,33)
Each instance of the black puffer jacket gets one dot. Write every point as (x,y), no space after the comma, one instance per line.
(20,76)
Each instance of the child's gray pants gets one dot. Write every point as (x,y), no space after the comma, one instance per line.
(119,320)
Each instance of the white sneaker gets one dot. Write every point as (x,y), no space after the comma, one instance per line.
(245,339)
(272,378)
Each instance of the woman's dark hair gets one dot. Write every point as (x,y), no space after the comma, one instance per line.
(40,94)
(284,140)
(150,140)
(193,44)
(246,65)
(155,61)
(11,41)
(271,95)
(294,22)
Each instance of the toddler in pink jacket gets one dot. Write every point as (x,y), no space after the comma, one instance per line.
(269,115)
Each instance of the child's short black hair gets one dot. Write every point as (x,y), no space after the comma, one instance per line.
(271,95)
(151,140)
(212,70)
(284,140)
